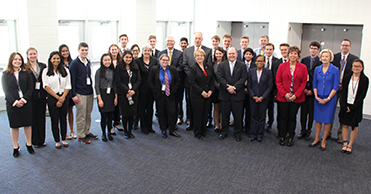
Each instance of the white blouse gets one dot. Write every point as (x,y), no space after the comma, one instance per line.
(352,91)
(56,82)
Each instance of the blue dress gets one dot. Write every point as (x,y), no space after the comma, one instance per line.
(325,83)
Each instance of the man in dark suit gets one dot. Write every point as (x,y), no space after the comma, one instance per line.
(152,41)
(269,61)
(227,40)
(249,63)
(232,76)
(244,42)
(284,49)
(175,60)
(124,40)
(164,82)
(307,107)
(188,60)
(343,60)
(183,45)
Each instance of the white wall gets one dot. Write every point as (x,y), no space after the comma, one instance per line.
(279,13)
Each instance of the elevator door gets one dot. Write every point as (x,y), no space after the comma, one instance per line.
(330,36)
(252,30)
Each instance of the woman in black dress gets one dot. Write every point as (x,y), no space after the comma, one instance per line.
(127,80)
(355,86)
(57,83)
(106,94)
(38,98)
(202,82)
(18,87)
(66,60)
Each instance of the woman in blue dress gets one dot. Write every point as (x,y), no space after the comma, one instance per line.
(325,86)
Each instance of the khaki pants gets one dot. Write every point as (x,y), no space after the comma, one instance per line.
(83,114)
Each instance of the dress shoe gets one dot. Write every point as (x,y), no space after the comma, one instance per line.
(30,149)
(58,146)
(260,140)
(163,134)
(252,139)
(314,145)
(199,137)
(118,128)
(188,128)
(290,142)
(110,137)
(216,129)
(145,131)
(104,138)
(221,136)
(151,130)
(180,121)
(131,135)
(238,139)
(282,141)
(175,134)
(268,129)
(126,134)
(301,136)
(322,148)
(16,152)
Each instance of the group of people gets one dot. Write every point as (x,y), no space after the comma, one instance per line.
(244,82)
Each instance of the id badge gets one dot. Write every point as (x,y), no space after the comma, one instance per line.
(129,84)
(88,81)
(20,94)
(108,90)
(37,85)
(163,88)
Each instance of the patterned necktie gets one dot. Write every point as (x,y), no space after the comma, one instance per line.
(170,56)
(167,85)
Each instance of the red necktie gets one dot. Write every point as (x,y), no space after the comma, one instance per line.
(167,85)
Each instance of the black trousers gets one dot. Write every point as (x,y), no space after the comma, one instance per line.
(236,107)
(247,107)
(271,110)
(201,108)
(58,115)
(189,106)
(179,98)
(306,114)
(287,112)
(258,113)
(146,111)
(38,120)
(116,115)
(106,120)
(166,112)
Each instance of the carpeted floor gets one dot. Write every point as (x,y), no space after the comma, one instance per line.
(150,164)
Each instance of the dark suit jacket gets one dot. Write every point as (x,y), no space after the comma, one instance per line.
(156,53)
(121,79)
(41,93)
(237,80)
(188,59)
(357,107)
(176,59)
(154,82)
(240,56)
(316,63)
(144,72)
(264,87)
(349,63)
(199,82)
(10,86)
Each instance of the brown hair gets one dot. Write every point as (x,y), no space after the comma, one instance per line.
(151,37)
(295,49)
(9,68)
(216,37)
(118,58)
(245,37)
(28,63)
(227,36)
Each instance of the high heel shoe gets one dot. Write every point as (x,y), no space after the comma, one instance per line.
(104,138)
(314,145)
(16,152)
(73,135)
(30,149)
(119,128)
(110,136)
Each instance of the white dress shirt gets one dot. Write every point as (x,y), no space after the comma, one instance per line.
(56,82)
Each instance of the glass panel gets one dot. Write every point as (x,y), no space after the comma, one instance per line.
(100,40)
(69,35)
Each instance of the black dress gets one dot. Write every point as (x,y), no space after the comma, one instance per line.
(355,115)
(101,85)
(18,117)
(122,81)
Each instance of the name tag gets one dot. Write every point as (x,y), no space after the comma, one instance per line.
(37,85)
(129,85)
(163,88)
(88,81)
(20,94)
(108,90)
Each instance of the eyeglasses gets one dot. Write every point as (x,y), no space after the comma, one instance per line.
(357,66)
(314,48)
(164,59)
(134,50)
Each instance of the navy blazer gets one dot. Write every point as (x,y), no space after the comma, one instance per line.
(199,82)
(154,82)
(264,87)
(348,67)
(176,59)
(316,63)
(237,80)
